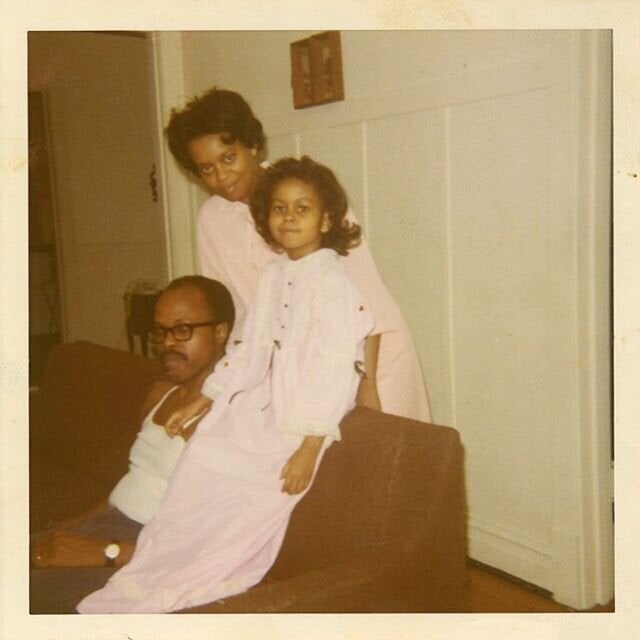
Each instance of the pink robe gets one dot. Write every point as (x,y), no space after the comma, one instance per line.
(221,524)
(232,252)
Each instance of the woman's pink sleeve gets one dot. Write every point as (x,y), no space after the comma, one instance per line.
(363,270)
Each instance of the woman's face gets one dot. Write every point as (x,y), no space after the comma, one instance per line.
(229,170)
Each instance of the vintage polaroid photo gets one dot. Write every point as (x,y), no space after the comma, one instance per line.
(491,157)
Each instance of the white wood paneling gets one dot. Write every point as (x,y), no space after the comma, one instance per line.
(282,146)
(408,235)
(503,327)
(341,149)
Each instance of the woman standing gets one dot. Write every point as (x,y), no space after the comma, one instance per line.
(217,138)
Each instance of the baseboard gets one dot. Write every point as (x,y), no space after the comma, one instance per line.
(511,551)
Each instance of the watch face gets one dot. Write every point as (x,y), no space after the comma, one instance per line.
(112,551)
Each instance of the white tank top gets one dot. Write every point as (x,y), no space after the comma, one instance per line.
(152,459)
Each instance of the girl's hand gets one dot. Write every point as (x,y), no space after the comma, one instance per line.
(176,420)
(188,431)
(298,471)
(175,425)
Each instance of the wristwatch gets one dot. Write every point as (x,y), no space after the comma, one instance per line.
(111,552)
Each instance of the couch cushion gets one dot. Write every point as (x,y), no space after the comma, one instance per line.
(57,491)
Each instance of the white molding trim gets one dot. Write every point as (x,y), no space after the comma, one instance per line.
(594,301)
(463,88)
(528,558)
(559,566)
(177,196)
(451,344)
(582,557)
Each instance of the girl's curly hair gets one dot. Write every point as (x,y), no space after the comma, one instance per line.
(217,111)
(342,236)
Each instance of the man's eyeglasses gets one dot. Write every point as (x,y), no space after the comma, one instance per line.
(180,332)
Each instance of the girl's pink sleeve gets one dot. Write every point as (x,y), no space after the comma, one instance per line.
(243,357)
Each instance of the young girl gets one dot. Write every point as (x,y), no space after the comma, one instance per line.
(278,400)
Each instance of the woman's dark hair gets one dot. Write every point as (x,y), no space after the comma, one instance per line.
(342,236)
(218,111)
(216,294)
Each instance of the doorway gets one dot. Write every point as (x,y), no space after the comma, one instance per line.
(97,225)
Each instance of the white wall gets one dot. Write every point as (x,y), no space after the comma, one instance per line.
(110,233)
(478,163)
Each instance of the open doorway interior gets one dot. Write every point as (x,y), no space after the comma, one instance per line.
(96,221)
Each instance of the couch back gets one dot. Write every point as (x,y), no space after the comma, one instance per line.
(88,412)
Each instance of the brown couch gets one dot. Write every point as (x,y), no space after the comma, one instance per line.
(381,530)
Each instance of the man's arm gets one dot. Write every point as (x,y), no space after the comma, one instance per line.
(64,549)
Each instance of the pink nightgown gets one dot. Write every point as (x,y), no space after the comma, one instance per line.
(233,252)
(221,524)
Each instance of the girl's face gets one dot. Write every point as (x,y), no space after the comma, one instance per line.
(297,219)
(229,170)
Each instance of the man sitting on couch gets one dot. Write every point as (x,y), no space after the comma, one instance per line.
(192,321)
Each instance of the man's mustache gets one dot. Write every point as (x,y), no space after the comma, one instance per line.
(171,353)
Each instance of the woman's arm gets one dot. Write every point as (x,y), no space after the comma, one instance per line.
(368,387)
(362,268)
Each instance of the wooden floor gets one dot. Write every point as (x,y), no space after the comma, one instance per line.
(495,592)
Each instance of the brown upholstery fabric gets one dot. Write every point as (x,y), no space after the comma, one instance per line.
(82,423)
(381,530)
(93,397)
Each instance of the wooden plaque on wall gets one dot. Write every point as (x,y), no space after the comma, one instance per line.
(316,70)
